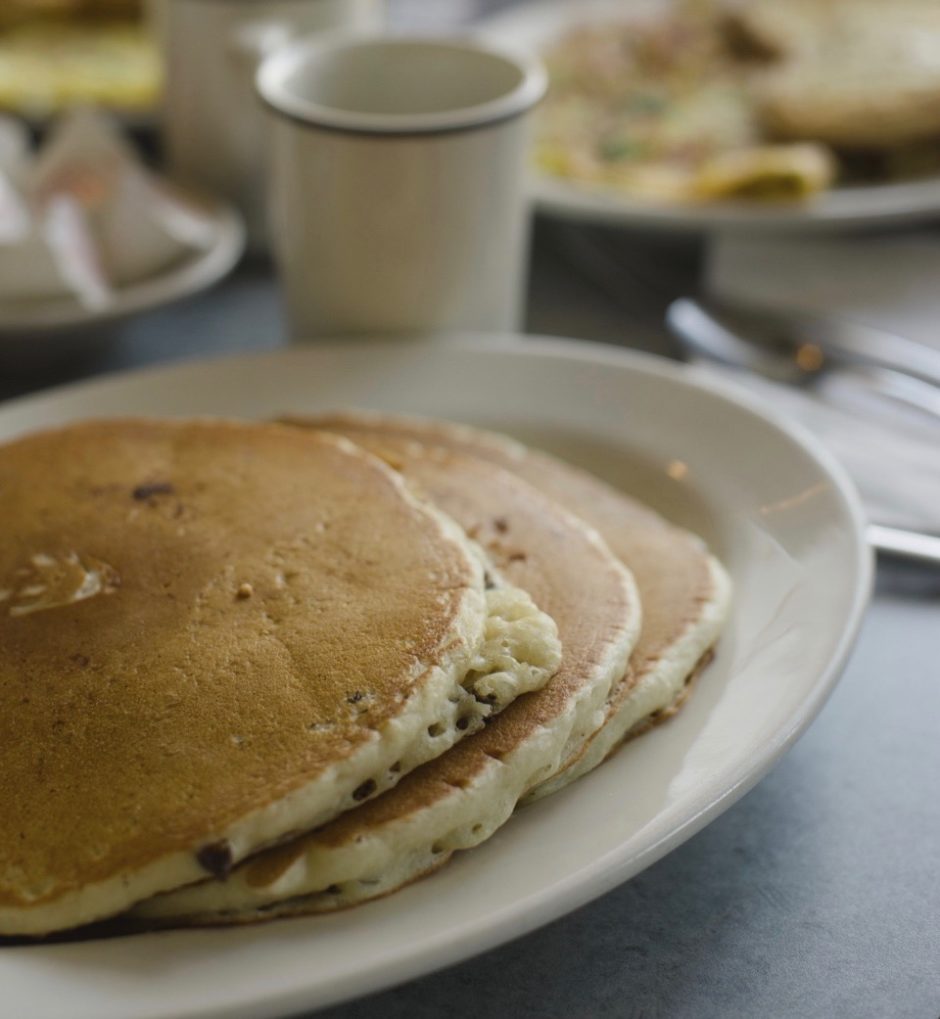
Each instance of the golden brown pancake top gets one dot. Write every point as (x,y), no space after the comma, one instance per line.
(536,546)
(670,566)
(196,618)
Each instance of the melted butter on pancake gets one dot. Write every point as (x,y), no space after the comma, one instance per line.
(55,581)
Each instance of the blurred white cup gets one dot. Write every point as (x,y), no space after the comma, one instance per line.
(397,182)
(213,123)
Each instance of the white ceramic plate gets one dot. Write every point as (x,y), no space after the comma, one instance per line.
(534,25)
(776,508)
(46,321)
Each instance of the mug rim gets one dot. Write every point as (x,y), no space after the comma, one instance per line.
(275,68)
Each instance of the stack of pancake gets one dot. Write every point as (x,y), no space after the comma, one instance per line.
(255,670)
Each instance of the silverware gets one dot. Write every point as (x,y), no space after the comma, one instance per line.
(706,337)
(904,544)
(798,349)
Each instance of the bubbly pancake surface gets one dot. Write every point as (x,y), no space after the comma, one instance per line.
(459,799)
(684,590)
(212,634)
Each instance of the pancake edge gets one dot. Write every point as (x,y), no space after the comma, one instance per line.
(657,690)
(400,851)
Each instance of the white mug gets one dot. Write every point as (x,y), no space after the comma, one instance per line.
(213,124)
(397,182)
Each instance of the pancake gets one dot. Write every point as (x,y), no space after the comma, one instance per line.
(684,590)
(217,634)
(854,74)
(462,797)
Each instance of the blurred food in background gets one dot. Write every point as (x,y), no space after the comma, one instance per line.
(765,100)
(56,54)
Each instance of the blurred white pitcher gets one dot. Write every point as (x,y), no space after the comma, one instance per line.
(397,198)
(213,124)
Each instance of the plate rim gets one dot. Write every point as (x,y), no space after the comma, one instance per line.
(612,868)
(839,209)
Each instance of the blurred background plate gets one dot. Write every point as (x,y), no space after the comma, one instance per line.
(45,329)
(538,24)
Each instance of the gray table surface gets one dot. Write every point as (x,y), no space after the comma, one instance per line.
(818,894)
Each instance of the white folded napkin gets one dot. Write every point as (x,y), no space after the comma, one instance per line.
(47,253)
(138,226)
(84,217)
(890,282)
